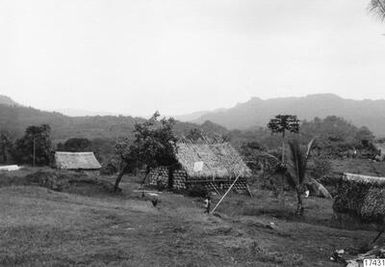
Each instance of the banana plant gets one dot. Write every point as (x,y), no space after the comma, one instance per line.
(296,170)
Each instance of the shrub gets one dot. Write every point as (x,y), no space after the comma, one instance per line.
(109,169)
(321,167)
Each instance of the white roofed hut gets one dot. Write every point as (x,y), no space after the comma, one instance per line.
(78,161)
(212,166)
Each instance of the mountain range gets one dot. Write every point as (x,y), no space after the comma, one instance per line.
(15,118)
(257,112)
(254,113)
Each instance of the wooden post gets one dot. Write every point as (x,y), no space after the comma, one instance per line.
(249,191)
(228,190)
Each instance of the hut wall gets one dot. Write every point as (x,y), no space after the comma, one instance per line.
(159,177)
(180,177)
(218,184)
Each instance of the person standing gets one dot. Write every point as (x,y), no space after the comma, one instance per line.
(207,204)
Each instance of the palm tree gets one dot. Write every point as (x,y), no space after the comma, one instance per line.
(281,124)
(377,7)
(296,171)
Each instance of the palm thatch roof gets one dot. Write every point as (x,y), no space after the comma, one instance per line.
(364,179)
(362,197)
(211,161)
(76,161)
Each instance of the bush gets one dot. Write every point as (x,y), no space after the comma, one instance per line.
(320,168)
(109,169)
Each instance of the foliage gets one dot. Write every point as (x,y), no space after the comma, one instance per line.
(154,145)
(297,167)
(6,144)
(321,167)
(198,135)
(336,137)
(34,146)
(75,145)
(377,7)
(282,124)
(126,155)
(364,137)
(298,162)
(109,168)
(155,142)
(251,153)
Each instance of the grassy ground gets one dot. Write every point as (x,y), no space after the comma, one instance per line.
(41,227)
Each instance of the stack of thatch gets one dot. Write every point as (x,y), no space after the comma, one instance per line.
(361,197)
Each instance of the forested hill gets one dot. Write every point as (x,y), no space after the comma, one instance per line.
(257,112)
(16,118)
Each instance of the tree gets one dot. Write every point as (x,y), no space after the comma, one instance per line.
(335,136)
(377,7)
(296,171)
(75,145)
(364,136)
(251,152)
(127,158)
(154,145)
(35,146)
(5,144)
(282,124)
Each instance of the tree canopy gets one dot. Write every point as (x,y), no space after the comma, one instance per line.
(35,146)
(154,145)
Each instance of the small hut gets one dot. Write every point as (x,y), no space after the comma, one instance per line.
(79,161)
(212,166)
(360,198)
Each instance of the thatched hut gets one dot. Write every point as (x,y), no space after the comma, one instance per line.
(79,161)
(360,198)
(212,166)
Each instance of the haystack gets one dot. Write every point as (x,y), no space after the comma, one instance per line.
(213,166)
(361,197)
(76,161)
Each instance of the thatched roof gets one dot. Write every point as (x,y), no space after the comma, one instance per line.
(76,161)
(361,196)
(365,179)
(213,161)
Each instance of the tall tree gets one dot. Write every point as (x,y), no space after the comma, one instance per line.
(35,146)
(282,124)
(5,144)
(154,145)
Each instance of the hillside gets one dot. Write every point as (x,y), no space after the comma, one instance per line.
(5,100)
(257,112)
(16,119)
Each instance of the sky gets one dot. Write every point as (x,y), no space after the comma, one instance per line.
(180,56)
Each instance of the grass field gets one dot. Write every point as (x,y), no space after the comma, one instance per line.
(41,227)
